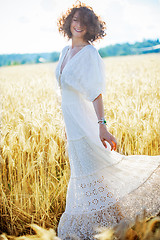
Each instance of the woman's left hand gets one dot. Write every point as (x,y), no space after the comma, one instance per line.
(106,136)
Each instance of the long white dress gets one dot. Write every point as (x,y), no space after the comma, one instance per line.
(105,187)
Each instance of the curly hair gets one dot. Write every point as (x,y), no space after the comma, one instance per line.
(95,26)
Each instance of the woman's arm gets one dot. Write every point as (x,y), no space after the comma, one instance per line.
(103,133)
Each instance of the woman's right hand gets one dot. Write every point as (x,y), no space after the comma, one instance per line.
(107,136)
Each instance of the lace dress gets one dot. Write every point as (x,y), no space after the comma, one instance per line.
(105,187)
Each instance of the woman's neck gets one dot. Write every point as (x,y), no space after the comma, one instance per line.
(78,43)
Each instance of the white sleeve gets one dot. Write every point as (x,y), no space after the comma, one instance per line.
(92,75)
(87,74)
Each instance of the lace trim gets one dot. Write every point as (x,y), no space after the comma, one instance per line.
(85,225)
(93,196)
(88,224)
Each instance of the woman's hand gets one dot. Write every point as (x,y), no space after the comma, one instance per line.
(106,136)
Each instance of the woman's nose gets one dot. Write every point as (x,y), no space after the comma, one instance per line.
(78,24)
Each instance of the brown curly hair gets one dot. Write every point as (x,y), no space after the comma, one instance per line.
(95,26)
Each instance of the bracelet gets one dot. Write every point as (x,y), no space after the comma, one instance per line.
(102,121)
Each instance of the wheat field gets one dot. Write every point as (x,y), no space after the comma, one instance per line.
(34,162)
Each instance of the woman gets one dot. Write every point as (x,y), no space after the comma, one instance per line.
(105,187)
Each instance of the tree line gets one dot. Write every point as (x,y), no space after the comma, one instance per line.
(146,46)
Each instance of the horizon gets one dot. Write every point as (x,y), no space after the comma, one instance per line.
(97,48)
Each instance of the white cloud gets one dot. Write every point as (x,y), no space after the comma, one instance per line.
(23,19)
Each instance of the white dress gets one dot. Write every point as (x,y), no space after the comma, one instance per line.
(105,187)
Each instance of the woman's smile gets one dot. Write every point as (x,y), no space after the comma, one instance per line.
(78,30)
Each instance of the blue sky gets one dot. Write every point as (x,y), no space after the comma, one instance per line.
(29,26)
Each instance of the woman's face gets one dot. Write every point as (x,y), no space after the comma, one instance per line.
(76,29)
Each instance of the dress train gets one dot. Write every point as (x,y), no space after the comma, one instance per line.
(106,188)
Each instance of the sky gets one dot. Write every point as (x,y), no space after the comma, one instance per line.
(30,26)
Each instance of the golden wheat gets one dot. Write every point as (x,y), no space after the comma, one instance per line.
(34,162)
